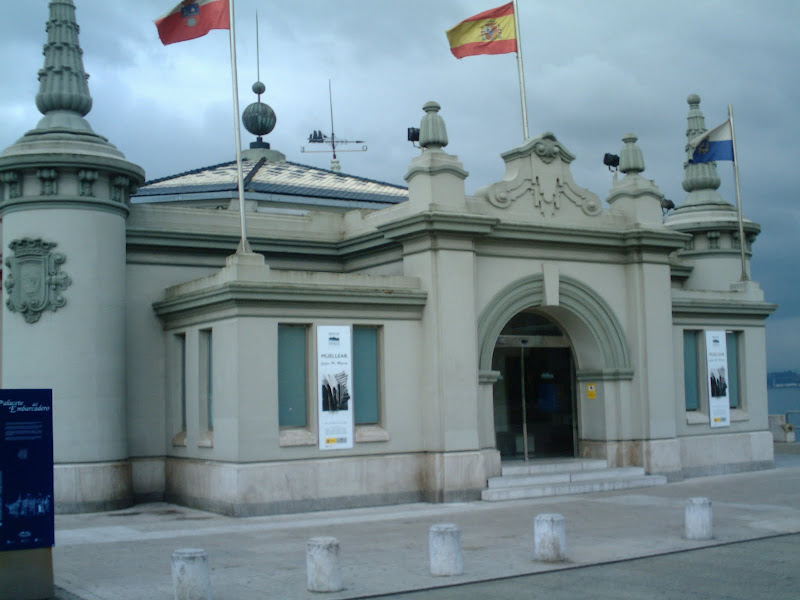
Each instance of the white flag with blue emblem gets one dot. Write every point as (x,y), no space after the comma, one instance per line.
(716,144)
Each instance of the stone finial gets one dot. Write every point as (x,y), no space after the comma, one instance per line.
(631,159)
(62,81)
(432,131)
(702,176)
(259,118)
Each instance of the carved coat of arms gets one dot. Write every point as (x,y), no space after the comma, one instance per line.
(34,282)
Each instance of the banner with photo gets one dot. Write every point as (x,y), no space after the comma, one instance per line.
(335,376)
(719,405)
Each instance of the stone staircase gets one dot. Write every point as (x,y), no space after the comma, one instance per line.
(560,477)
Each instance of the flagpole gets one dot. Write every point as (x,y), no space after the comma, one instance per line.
(244,247)
(742,240)
(523,97)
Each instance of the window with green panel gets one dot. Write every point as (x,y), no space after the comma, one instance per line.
(366,375)
(690,369)
(292,375)
(732,342)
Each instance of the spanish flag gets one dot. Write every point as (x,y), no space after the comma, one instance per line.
(491,32)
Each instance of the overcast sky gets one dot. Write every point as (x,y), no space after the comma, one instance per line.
(594,70)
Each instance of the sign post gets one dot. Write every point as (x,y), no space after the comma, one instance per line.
(26,494)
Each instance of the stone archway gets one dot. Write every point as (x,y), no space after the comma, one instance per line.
(597,337)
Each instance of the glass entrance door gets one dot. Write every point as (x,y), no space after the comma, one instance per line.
(534,400)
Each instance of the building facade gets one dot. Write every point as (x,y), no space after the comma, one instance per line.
(529,321)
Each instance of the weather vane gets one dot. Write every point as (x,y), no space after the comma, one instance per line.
(317,137)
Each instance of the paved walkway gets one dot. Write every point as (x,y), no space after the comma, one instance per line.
(125,555)
(725,572)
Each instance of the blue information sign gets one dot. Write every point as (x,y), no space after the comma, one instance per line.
(26,469)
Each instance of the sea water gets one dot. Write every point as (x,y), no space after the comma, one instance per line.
(783,400)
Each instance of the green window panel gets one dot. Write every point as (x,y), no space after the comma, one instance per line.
(292,375)
(732,341)
(206,380)
(690,366)
(366,380)
(181,339)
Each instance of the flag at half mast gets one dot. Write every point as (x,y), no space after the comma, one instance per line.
(192,19)
(491,32)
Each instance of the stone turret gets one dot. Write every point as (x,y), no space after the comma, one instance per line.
(65,199)
(634,195)
(435,178)
(714,250)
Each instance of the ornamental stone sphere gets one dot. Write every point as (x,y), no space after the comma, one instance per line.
(259,118)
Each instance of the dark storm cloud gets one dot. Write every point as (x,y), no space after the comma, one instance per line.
(594,71)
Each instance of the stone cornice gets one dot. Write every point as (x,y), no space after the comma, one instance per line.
(276,298)
(204,241)
(69,202)
(680,271)
(610,239)
(710,308)
(117,166)
(731,224)
(457,224)
(635,243)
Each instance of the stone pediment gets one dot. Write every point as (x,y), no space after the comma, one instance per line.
(538,184)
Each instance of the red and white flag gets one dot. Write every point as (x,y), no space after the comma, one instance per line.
(192,19)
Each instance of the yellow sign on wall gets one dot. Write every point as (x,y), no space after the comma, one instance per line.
(591,391)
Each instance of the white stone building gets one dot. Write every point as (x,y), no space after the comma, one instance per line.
(529,321)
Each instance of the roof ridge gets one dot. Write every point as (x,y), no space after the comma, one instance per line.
(367,179)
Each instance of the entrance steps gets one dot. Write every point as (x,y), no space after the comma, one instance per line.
(561,477)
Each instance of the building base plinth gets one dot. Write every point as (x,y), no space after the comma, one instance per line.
(246,490)
(92,487)
(688,456)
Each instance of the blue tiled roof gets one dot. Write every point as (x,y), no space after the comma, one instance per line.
(284,178)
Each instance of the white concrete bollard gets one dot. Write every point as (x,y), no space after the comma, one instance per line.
(323,573)
(444,546)
(698,519)
(190,579)
(550,537)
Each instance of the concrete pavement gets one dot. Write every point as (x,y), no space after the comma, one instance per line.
(125,555)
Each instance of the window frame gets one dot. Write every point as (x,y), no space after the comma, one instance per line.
(306,404)
(377,367)
(700,414)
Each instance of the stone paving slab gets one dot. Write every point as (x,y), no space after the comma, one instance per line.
(125,555)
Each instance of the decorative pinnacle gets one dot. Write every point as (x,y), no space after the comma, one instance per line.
(432,131)
(631,159)
(259,118)
(702,176)
(62,81)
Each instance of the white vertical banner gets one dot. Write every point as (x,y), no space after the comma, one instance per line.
(719,405)
(335,386)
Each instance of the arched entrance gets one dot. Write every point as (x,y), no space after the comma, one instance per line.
(590,335)
(534,400)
